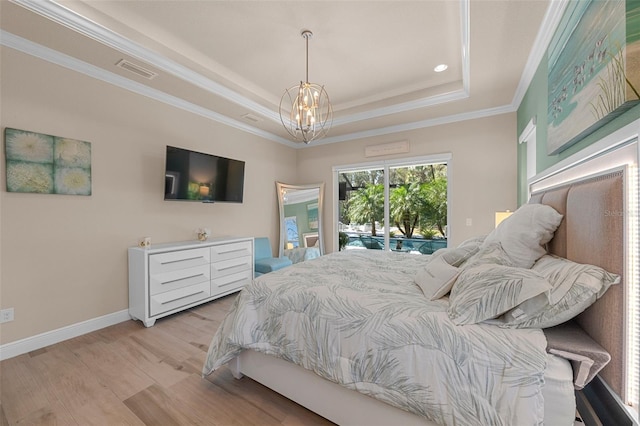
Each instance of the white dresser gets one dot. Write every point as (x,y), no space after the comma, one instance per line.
(168,278)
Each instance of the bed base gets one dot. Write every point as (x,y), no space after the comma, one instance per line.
(347,407)
(330,400)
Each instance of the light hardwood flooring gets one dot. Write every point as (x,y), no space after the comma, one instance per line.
(127,374)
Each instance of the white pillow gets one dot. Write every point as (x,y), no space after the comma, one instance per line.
(492,253)
(473,241)
(437,278)
(457,256)
(524,233)
(486,291)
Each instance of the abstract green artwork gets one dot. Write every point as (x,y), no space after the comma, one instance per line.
(46,164)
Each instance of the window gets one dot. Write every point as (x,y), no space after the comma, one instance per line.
(393,205)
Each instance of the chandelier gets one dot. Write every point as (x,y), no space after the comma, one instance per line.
(305,110)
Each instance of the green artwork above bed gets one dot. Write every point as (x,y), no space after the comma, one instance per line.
(46,164)
(594,69)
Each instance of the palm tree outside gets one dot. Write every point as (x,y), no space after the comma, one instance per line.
(417,206)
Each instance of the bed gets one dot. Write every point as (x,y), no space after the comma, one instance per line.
(445,367)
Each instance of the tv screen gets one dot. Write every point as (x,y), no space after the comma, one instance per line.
(196,176)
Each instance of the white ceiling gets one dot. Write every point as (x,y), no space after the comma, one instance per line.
(227,59)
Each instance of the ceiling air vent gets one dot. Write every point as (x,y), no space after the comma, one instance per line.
(136,69)
(252,118)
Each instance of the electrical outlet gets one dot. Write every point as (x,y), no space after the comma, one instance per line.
(6,315)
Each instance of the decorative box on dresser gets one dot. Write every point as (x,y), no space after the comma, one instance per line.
(168,278)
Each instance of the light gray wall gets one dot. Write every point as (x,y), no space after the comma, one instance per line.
(64,258)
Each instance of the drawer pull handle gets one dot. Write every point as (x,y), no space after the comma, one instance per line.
(231,251)
(233,282)
(181,260)
(183,297)
(181,279)
(231,266)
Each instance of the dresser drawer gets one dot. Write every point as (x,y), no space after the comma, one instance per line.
(231,282)
(173,299)
(230,250)
(159,283)
(182,259)
(231,266)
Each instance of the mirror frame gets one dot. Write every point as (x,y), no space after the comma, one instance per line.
(280,188)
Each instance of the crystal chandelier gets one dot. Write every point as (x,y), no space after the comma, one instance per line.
(305,110)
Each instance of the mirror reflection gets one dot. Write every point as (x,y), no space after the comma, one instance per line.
(300,220)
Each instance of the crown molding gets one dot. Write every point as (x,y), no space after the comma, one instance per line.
(76,22)
(72,20)
(549,25)
(42,52)
(488,112)
(403,107)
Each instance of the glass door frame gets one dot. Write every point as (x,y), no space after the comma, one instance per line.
(385,165)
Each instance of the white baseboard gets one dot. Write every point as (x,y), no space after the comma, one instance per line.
(39,341)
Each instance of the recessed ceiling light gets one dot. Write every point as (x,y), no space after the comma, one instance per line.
(441,68)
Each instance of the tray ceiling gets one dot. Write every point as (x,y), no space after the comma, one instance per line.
(232,60)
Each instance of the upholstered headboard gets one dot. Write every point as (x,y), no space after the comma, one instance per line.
(592,232)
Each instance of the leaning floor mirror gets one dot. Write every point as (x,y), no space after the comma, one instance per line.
(300,220)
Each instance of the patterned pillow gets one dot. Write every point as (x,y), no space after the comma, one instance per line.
(575,287)
(524,234)
(487,291)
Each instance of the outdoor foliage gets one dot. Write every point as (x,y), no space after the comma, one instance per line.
(417,199)
(343,239)
(434,214)
(367,205)
(406,203)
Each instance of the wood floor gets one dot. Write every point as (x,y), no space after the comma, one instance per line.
(131,375)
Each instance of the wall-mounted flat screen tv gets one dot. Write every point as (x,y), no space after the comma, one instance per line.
(196,176)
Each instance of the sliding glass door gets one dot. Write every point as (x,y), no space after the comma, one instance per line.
(398,206)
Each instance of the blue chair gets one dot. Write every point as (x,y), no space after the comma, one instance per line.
(264,260)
